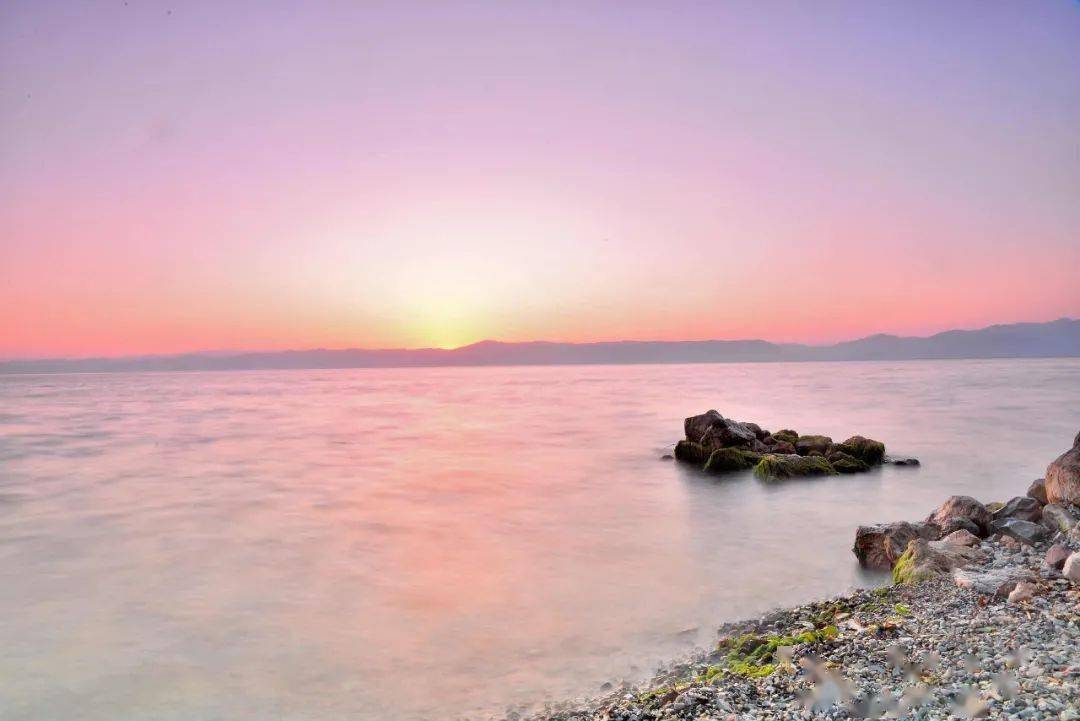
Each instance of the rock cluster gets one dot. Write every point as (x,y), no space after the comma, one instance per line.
(719,445)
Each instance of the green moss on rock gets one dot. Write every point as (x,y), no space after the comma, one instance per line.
(845,463)
(866,450)
(755,656)
(731,459)
(691,452)
(776,468)
(786,435)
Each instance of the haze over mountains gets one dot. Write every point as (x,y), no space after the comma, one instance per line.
(1060,338)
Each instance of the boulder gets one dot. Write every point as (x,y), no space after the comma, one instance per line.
(961,507)
(1022,507)
(926,559)
(1023,591)
(695,426)
(774,467)
(1037,490)
(691,452)
(1056,555)
(757,431)
(1071,568)
(844,463)
(959,523)
(1063,476)
(775,445)
(1058,518)
(728,434)
(731,459)
(786,435)
(879,546)
(806,444)
(962,537)
(1023,531)
(867,450)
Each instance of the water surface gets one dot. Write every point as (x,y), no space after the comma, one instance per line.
(445,543)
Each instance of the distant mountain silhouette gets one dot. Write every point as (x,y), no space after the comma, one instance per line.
(1060,338)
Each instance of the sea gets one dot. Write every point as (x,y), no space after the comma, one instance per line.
(447,543)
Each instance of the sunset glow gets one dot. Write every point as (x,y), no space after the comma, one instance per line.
(197,176)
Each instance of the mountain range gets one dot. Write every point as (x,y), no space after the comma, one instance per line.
(1059,338)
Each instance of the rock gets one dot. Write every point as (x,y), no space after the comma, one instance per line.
(691,452)
(926,559)
(1071,568)
(959,523)
(1023,591)
(787,435)
(1023,531)
(774,467)
(731,459)
(991,581)
(695,426)
(667,457)
(901,461)
(806,444)
(867,450)
(845,463)
(962,537)
(1063,476)
(1037,490)
(879,546)
(757,431)
(961,507)
(1058,518)
(1056,555)
(1022,507)
(728,434)
(774,445)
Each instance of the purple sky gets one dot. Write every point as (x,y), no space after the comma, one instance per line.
(188,175)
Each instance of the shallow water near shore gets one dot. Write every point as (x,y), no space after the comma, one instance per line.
(445,543)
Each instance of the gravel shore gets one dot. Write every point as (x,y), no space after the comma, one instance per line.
(927,650)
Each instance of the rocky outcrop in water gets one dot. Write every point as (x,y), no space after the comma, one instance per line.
(721,445)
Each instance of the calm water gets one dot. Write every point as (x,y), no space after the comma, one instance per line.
(444,543)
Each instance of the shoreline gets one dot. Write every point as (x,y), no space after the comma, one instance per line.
(979,623)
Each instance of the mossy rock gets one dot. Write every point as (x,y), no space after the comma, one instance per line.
(776,468)
(844,463)
(731,459)
(909,570)
(755,656)
(691,452)
(995,506)
(786,435)
(866,450)
(808,444)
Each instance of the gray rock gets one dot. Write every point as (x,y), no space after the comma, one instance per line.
(879,546)
(1058,518)
(1023,531)
(962,537)
(1023,507)
(1071,568)
(1056,555)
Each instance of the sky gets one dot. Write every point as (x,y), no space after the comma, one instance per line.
(186,176)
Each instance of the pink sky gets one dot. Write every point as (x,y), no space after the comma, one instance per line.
(191,176)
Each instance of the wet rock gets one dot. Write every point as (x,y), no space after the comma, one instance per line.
(777,468)
(964,507)
(695,426)
(728,434)
(1058,518)
(867,450)
(1063,476)
(780,447)
(1071,568)
(845,463)
(926,559)
(667,457)
(731,459)
(807,444)
(1022,507)
(879,546)
(1037,490)
(1023,531)
(691,452)
(962,537)
(757,430)
(787,435)
(1056,555)
(901,461)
